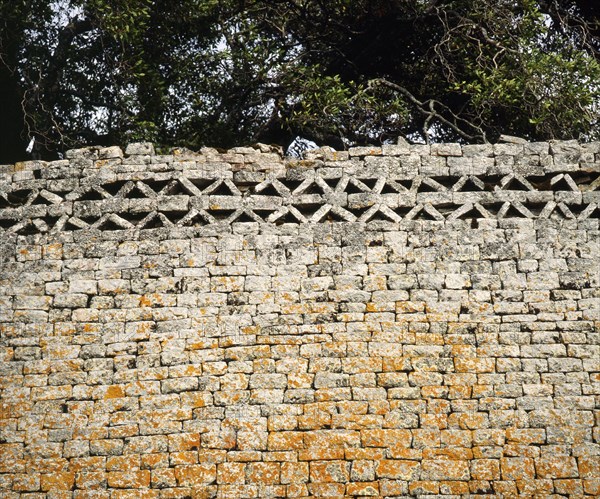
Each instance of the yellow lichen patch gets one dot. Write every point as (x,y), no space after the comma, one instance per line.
(114,391)
(151,300)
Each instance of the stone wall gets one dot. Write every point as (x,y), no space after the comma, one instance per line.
(412,321)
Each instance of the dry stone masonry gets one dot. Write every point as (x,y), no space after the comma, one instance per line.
(404,321)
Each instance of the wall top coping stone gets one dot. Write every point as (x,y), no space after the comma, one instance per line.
(570,152)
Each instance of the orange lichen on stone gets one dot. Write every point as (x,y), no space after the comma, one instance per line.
(114,391)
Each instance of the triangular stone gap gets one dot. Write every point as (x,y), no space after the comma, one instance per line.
(332,183)
(403,211)
(365,214)
(246,187)
(287,215)
(282,187)
(114,222)
(232,187)
(98,223)
(389,213)
(264,214)
(523,209)
(379,185)
(91,194)
(126,190)
(370,182)
(334,215)
(359,213)
(4,202)
(433,183)
(469,211)
(444,209)
(154,220)
(563,182)
(355,186)
(426,185)
(344,214)
(494,208)
(188,217)
(291,184)
(89,220)
(246,216)
(484,213)
(26,228)
(50,221)
(539,182)
(463,212)
(162,187)
(168,187)
(218,188)
(473,213)
(433,212)
(135,193)
(320,214)
(309,186)
(308,210)
(552,211)
(38,199)
(6,223)
(325,187)
(541,210)
(523,182)
(287,218)
(220,215)
(566,211)
(201,185)
(491,183)
(509,210)
(385,213)
(514,182)
(266,189)
(188,187)
(174,216)
(145,191)
(409,185)
(115,188)
(413,213)
(594,185)
(194,218)
(21,197)
(134,218)
(379,215)
(469,184)
(51,197)
(589,212)
(342,184)
(60,224)
(584,179)
(423,214)
(391,187)
(16,227)
(40,225)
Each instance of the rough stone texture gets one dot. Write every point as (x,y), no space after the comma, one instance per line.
(405,321)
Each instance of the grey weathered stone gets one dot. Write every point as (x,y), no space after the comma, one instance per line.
(394,321)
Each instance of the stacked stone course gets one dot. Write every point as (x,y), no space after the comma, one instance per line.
(396,321)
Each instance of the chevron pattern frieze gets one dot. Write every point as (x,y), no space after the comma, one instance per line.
(104,189)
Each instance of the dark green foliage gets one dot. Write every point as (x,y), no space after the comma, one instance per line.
(340,72)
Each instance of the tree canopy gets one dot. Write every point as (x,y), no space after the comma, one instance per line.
(339,72)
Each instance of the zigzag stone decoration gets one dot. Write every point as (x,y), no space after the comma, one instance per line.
(104,189)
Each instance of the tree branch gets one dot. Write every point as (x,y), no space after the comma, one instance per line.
(428,109)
